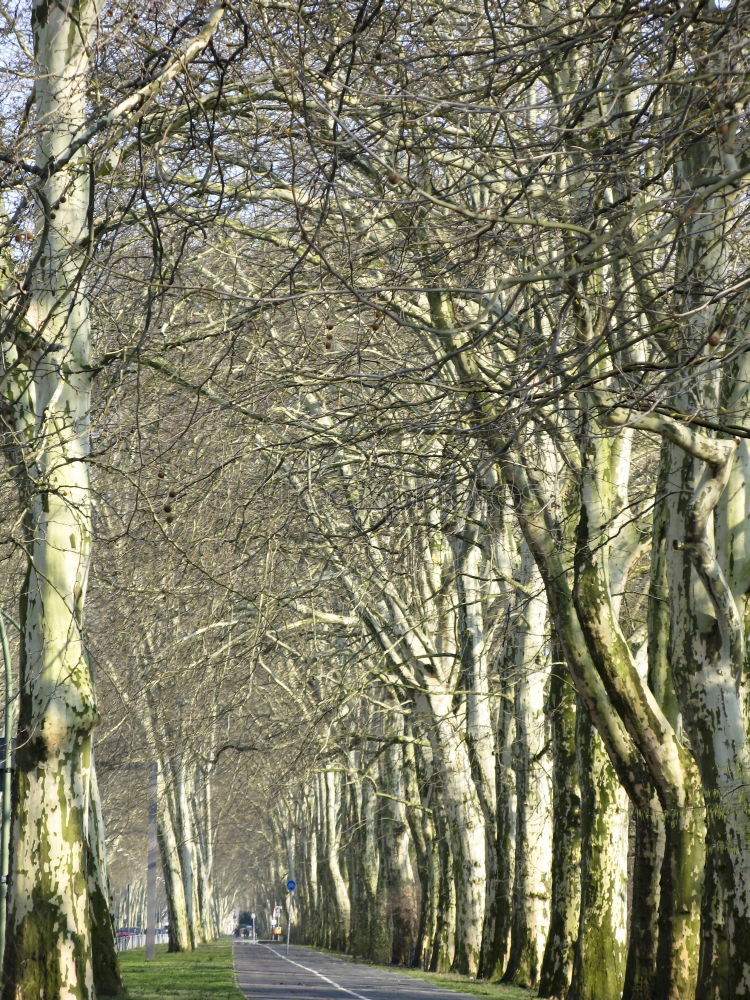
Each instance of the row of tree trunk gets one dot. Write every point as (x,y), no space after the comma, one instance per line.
(430,842)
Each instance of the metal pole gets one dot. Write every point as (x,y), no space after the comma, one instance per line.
(153,849)
(6,773)
(289,920)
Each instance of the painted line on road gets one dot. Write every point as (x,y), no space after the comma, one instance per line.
(320,975)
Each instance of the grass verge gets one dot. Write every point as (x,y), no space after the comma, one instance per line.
(205,974)
(465,984)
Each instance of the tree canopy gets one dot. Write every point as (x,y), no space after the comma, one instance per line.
(375,425)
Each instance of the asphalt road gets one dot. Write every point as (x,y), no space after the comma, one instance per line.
(263,972)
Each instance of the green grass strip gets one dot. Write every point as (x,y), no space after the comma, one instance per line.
(205,974)
(465,984)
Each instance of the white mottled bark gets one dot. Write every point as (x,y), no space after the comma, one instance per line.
(533,855)
(49,946)
(311,853)
(340,904)
(179,925)
(200,807)
(465,822)
(402,896)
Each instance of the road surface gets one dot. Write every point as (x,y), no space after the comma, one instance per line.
(263,972)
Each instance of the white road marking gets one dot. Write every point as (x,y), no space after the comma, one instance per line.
(318,974)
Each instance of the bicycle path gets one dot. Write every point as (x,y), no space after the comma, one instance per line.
(264,972)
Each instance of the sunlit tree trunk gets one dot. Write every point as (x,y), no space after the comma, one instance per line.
(49,952)
(473,583)
(708,564)
(441,954)
(310,883)
(200,811)
(465,823)
(602,932)
(401,888)
(599,962)
(339,903)
(370,928)
(179,925)
(183,828)
(714,717)
(533,853)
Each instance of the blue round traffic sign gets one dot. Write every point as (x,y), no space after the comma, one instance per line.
(291,885)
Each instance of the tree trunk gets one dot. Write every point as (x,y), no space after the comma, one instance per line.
(672,774)
(496,945)
(370,927)
(425,851)
(557,964)
(706,635)
(107,980)
(179,925)
(339,903)
(401,890)
(444,946)
(183,827)
(533,854)
(472,582)
(48,952)
(599,963)
(200,802)
(680,890)
(465,824)
(641,967)
(439,958)
(312,893)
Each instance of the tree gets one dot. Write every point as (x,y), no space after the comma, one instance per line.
(59,908)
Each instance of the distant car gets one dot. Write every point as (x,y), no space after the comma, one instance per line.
(129,931)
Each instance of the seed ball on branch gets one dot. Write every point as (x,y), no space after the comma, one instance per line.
(393,177)
(167,508)
(715,339)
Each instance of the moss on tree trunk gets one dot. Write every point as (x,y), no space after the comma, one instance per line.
(599,964)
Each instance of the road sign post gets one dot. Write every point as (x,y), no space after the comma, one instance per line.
(291,886)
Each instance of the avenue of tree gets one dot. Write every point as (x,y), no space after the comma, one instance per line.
(376,426)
